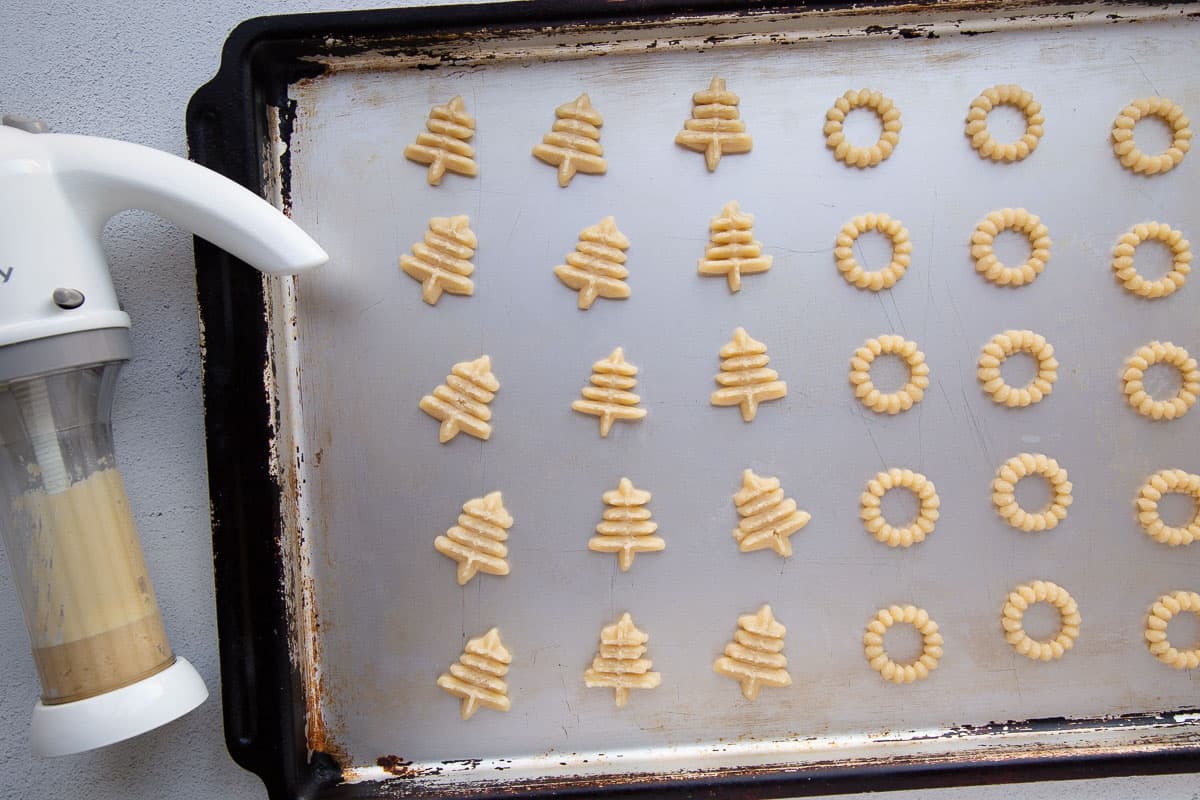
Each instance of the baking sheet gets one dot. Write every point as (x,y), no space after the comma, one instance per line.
(355,349)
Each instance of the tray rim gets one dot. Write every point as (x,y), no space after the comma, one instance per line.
(268,730)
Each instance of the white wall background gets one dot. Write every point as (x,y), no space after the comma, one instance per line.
(126,69)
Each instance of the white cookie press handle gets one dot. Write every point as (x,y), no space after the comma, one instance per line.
(56,193)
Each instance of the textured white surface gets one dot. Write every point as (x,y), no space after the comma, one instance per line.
(126,70)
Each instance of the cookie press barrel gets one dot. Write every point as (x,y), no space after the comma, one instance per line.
(106,669)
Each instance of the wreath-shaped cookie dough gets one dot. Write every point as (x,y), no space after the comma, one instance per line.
(1003,345)
(1168,481)
(1020,599)
(982,250)
(891,402)
(1132,280)
(1005,500)
(853,155)
(843,251)
(1161,353)
(981,138)
(931,652)
(1127,150)
(880,528)
(1162,612)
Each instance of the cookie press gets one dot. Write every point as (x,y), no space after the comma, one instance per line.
(106,669)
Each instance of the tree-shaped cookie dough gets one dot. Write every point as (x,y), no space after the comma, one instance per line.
(755,656)
(573,144)
(442,263)
(597,267)
(444,147)
(715,128)
(609,397)
(461,402)
(478,677)
(732,251)
(768,518)
(619,665)
(627,529)
(477,541)
(745,378)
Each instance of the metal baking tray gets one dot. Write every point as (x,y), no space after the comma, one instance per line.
(328,484)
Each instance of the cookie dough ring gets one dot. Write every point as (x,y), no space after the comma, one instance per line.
(890,402)
(1160,353)
(843,251)
(1013,614)
(1126,149)
(1168,481)
(1162,612)
(881,662)
(853,155)
(1132,280)
(1005,500)
(927,513)
(982,250)
(977,128)
(997,351)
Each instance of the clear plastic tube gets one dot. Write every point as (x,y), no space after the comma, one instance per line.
(89,606)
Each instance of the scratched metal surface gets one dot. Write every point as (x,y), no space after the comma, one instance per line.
(377,486)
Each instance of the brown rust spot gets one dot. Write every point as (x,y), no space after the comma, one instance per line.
(400,767)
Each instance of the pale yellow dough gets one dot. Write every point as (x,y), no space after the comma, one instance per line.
(745,378)
(442,262)
(983,250)
(1132,280)
(444,146)
(716,128)
(1013,614)
(627,528)
(997,351)
(875,280)
(891,402)
(1135,371)
(981,137)
(853,155)
(1168,481)
(732,250)
(477,541)
(755,656)
(927,514)
(478,677)
(610,397)
(1004,492)
(597,267)
(573,144)
(1161,613)
(1126,149)
(768,517)
(461,403)
(881,662)
(619,664)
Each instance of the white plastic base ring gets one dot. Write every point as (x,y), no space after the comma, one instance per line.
(58,730)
